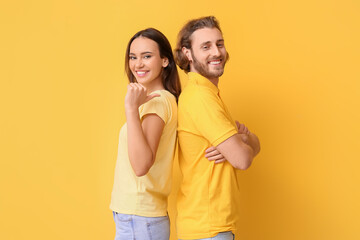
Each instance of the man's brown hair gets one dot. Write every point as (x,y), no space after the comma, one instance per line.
(184,38)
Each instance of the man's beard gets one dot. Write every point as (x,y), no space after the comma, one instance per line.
(203,69)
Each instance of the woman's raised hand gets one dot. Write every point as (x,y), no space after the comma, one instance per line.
(136,96)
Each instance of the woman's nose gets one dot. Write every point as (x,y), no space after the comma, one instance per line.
(139,63)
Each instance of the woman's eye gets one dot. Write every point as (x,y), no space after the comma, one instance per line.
(147,56)
(132,57)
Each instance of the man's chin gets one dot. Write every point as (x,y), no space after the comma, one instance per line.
(217,73)
(211,71)
(216,70)
(212,75)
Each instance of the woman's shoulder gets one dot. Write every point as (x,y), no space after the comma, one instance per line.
(166,99)
(164,106)
(165,96)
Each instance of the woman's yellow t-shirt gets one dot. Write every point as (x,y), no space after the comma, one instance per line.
(147,195)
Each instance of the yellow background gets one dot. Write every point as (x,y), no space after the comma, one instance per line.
(293,79)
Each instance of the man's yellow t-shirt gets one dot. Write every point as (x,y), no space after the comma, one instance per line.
(208,192)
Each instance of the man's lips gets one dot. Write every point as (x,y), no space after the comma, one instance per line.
(215,62)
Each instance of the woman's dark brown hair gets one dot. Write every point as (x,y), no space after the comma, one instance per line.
(170,76)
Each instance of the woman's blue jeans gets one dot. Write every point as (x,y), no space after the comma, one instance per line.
(131,227)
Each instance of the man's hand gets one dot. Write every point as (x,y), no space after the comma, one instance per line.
(248,137)
(212,154)
(245,138)
(242,129)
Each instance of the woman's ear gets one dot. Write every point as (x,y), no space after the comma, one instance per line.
(165,62)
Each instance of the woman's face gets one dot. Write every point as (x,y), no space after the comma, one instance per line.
(145,62)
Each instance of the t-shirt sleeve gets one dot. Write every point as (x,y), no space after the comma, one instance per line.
(210,118)
(158,106)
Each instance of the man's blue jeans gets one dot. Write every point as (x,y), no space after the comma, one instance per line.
(130,227)
(220,236)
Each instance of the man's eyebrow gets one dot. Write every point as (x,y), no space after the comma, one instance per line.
(208,42)
(204,43)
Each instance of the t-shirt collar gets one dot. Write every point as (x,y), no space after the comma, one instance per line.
(203,81)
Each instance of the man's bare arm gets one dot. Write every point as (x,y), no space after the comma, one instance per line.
(241,156)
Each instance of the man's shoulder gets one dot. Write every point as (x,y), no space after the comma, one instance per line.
(194,91)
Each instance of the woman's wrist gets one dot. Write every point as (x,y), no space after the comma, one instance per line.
(131,112)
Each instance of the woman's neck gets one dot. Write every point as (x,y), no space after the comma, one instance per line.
(154,85)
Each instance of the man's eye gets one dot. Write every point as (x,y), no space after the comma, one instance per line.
(220,45)
(205,47)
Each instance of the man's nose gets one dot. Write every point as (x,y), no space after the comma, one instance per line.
(215,51)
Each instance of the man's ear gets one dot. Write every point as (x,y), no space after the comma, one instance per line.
(187,53)
(165,62)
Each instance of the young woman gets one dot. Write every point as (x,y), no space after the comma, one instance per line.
(147,140)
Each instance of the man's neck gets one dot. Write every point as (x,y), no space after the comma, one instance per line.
(214,81)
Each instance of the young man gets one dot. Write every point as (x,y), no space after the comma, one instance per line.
(212,146)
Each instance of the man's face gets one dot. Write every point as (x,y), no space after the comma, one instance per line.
(208,53)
